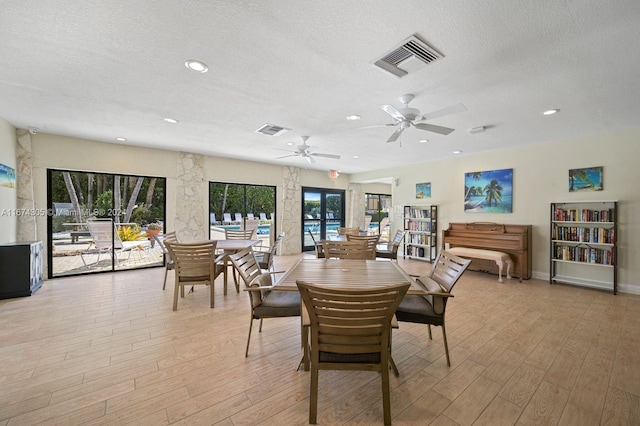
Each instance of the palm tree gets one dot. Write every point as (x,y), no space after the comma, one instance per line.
(494,192)
(474,176)
(578,174)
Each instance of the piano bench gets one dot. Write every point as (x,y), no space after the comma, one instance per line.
(497,256)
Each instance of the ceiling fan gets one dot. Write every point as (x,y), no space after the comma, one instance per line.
(410,117)
(308,152)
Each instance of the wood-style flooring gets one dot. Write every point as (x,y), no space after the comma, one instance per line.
(108,350)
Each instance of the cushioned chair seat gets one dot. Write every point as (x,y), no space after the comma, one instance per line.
(417,309)
(371,358)
(279,304)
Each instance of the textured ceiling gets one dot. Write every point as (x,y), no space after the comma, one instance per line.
(103,69)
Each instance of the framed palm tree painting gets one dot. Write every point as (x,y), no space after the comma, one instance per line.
(489,191)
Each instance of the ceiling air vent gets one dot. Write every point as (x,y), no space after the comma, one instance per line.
(411,55)
(272,130)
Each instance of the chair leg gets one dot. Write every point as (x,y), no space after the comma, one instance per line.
(260,329)
(166,272)
(246,354)
(313,398)
(429,328)
(386,396)
(211,288)
(175,295)
(446,347)
(305,346)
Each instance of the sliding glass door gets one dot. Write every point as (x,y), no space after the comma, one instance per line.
(322,214)
(103,222)
(240,206)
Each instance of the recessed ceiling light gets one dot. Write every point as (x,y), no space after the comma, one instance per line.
(121,139)
(550,111)
(353,117)
(457,151)
(424,140)
(171,120)
(196,65)
(290,143)
(356,156)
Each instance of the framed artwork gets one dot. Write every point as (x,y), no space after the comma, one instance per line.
(489,191)
(7,176)
(423,190)
(588,179)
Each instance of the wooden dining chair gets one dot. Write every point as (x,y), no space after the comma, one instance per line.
(265,258)
(430,308)
(237,234)
(371,242)
(195,264)
(350,330)
(169,265)
(345,249)
(318,246)
(265,303)
(348,230)
(389,250)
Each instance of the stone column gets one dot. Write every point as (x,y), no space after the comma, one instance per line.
(290,216)
(26,224)
(191,197)
(356,205)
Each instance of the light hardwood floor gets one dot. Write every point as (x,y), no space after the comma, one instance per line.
(108,349)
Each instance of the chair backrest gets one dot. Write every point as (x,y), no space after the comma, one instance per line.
(241,234)
(345,249)
(398,237)
(445,273)
(345,323)
(167,236)
(370,240)
(263,216)
(193,261)
(238,217)
(226,217)
(273,250)
(251,224)
(319,247)
(348,230)
(247,266)
(250,216)
(367,222)
(104,234)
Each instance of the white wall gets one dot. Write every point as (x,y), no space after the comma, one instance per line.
(540,176)
(8,196)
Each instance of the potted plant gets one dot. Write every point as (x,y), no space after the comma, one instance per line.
(153,229)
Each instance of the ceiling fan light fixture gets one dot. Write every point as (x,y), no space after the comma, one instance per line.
(195,65)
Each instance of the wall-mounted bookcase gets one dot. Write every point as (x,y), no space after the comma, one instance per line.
(421,225)
(584,244)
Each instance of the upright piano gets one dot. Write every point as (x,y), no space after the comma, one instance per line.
(514,240)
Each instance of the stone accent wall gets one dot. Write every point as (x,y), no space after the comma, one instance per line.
(26,224)
(356,206)
(290,216)
(191,222)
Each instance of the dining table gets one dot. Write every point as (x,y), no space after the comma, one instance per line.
(230,247)
(343,274)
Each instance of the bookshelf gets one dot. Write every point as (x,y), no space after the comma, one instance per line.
(584,244)
(421,225)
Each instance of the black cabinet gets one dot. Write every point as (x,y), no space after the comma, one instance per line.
(20,268)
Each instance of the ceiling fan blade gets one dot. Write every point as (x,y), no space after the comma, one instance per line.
(287,156)
(433,128)
(395,135)
(453,109)
(317,154)
(379,125)
(390,109)
(310,160)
